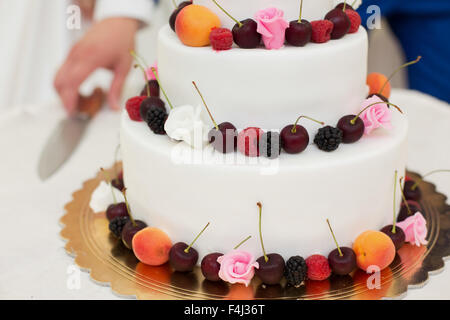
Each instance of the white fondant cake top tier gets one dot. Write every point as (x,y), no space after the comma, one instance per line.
(244,9)
(268,88)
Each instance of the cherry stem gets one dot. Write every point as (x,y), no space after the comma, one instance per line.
(394,231)
(124,191)
(116,153)
(198,236)
(345,6)
(354,2)
(398,69)
(206,106)
(353,121)
(301,9)
(162,89)
(139,65)
(415,185)
(174,4)
(242,242)
(404,198)
(294,128)
(229,15)
(110,184)
(335,241)
(260,232)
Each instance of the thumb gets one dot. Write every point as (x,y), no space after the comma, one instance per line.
(115,91)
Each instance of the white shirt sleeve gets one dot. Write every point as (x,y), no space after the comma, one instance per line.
(137,9)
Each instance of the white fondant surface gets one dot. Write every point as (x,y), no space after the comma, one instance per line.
(266,88)
(179,190)
(244,9)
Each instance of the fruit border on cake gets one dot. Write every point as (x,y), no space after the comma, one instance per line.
(97,250)
(268,28)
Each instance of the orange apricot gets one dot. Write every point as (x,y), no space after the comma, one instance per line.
(194,24)
(376,81)
(151,246)
(374,248)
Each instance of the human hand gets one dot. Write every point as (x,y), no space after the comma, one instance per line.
(106,45)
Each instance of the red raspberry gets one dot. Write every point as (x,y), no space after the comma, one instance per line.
(221,39)
(321,31)
(133,105)
(318,267)
(355,20)
(248,141)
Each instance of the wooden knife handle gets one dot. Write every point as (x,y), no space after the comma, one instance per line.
(91,105)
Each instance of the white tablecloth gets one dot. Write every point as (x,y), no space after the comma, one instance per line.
(33,262)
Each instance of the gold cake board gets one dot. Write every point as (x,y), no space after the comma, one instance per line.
(96,251)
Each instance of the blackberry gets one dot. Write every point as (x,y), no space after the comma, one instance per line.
(149,103)
(270,145)
(116,225)
(156,118)
(296,271)
(328,138)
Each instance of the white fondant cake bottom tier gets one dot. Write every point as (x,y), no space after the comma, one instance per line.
(179,190)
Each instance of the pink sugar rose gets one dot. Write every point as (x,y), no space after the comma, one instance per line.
(375,116)
(149,72)
(272,27)
(415,228)
(237,267)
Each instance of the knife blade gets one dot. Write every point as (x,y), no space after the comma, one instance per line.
(67,135)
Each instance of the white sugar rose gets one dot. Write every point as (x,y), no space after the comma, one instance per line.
(103,196)
(185,123)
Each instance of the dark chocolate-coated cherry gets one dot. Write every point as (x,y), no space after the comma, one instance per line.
(245,33)
(352,128)
(342,4)
(183,257)
(396,234)
(411,192)
(153,87)
(411,189)
(210,267)
(223,137)
(150,101)
(271,266)
(340,21)
(270,272)
(174,15)
(118,183)
(131,227)
(342,260)
(299,32)
(295,138)
(180,260)
(342,264)
(392,231)
(116,210)
(407,211)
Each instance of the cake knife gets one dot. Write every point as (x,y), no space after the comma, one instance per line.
(67,135)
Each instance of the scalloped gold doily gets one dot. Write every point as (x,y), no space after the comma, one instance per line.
(96,251)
